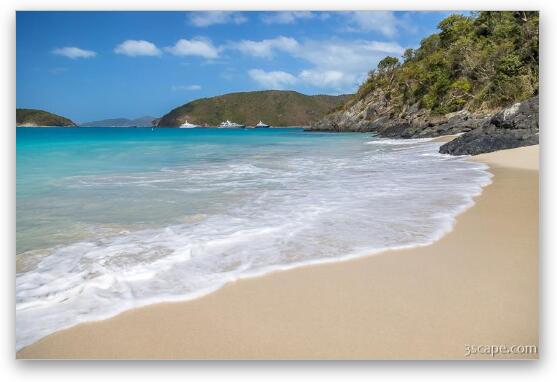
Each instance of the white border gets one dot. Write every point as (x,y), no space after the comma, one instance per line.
(61,371)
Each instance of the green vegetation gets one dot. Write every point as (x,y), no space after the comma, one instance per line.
(274,107)
(477,62)
(33,117)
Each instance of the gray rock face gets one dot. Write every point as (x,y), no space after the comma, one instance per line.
(375,114)
(512,127)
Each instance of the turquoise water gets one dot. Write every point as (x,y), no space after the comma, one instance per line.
(74,183)
(113,218)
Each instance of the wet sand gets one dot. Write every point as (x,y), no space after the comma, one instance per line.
(478,285)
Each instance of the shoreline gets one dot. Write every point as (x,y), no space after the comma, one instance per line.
(333,323)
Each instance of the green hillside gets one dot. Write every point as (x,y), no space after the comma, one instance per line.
(34,117)
(478,62)
(274,107)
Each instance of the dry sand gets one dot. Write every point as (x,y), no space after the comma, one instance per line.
(445,138)
(526,158)
(476,286)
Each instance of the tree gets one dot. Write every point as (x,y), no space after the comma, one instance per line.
(408,55)
(387,64)
(454,27)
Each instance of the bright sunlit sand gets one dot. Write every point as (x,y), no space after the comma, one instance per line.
(477,285)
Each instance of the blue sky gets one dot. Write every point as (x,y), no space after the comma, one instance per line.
(97,65)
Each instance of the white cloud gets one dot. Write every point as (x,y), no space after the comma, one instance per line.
(384,47)
(194,47)
(205,19)
(265,48)
(186,87)
(286,17)
(134,48)
(384,22)
(74,52)
(343,55)
(273,79)
(334,64)
(341,65)
(332,54)
(326,79)
(329,79)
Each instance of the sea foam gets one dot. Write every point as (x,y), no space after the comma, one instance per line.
(267,211)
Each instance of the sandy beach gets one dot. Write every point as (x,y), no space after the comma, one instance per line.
(478,285)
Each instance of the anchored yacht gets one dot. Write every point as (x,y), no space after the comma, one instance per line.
(261,125)
(227,124)
(187,125)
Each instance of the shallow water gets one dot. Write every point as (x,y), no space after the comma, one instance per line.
(113,218)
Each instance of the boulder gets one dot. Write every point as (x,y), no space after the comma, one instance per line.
(515,126)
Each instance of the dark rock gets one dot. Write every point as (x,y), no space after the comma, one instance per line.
(512,127)
(480,141)
(519,116)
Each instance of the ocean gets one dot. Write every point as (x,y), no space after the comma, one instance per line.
(109,219)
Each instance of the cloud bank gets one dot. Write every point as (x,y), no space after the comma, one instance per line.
(286,17)
(265,48)
(205,19)
(195,47)
(134,48)
(334,64)
(384,22)
(74,52)
(272,80)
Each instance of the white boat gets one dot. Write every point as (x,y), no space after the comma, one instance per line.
(261,125)
(187,125)
(227,125)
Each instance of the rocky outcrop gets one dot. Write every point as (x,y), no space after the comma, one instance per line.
(374,114)
(481,132)
(512,127)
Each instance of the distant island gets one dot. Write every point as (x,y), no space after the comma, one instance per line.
(274,107)
(35,117)
(146,121)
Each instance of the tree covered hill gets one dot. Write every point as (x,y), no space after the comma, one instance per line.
(274,107)
(479,77)
(478,62)
(34,117)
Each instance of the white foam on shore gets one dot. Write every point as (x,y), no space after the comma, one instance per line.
(280,214)
(398,142)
